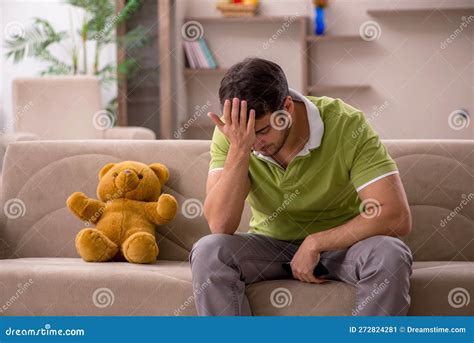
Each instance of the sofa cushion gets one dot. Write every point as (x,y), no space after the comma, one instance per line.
(442,289)
(437,288)
(436,175)
(70,286)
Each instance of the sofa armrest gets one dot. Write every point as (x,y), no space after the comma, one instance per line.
(129,132)
(7,138)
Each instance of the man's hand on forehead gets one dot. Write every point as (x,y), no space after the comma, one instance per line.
(236,127)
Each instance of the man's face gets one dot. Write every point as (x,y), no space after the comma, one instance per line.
(269,140)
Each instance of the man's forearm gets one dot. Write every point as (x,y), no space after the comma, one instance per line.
(225,202)
(359,228)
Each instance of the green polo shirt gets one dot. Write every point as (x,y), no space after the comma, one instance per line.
(318,189)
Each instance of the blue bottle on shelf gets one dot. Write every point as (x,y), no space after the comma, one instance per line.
(319,25)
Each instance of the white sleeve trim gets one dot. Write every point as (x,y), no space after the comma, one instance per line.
(214,169)
(376,179)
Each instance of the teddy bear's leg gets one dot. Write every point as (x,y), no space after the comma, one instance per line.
(93,246)
(140,247)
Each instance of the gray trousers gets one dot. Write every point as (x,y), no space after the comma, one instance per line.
(222,265)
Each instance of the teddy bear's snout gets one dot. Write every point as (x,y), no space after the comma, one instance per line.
(127,180)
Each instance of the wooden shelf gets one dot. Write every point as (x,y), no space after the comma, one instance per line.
(326,87)
(325,38)
(391,11)
(193,72)
(255,19)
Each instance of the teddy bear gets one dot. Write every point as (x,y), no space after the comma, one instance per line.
(130,205)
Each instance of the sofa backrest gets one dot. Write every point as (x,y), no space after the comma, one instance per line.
(39,176)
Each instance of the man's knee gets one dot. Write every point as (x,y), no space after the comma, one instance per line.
(216,247)
(393,254)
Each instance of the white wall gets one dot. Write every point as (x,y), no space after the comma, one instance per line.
(18,14)
(415,83)
(422,83)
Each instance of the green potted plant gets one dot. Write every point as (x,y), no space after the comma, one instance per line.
(98,25)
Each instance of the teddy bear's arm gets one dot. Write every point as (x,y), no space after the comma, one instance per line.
(85,208)
(163,211)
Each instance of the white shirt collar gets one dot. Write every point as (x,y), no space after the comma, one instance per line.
(316,128)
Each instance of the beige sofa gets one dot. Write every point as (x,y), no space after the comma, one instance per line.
(66,107)
(62,107)
(40,273)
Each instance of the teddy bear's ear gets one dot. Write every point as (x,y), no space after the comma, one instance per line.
(105,169)
(161,171)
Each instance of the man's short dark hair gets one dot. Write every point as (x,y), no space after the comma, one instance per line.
(260,82)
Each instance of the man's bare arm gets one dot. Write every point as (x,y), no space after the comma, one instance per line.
(387,213)
(227,189)
(226,195)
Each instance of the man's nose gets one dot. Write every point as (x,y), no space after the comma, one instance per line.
(258,144)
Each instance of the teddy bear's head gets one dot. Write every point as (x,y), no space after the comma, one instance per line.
(131,180)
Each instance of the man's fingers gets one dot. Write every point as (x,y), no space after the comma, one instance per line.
(300,276)
(251,121)
(310,278)
(314,279)
(235,113)
(243,115)
(307,278)
(227,106)
(216,120)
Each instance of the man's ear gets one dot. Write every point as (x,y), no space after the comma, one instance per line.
(161,171)
(105,169)
(289,105)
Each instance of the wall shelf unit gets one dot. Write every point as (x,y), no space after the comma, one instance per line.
(331,38)
(317,88)
(306,42)
(241,20)
(194,72)
(419,10)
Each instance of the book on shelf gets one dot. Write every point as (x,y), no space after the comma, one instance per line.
(198,55)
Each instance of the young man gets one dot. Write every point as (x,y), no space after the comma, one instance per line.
(321,186)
